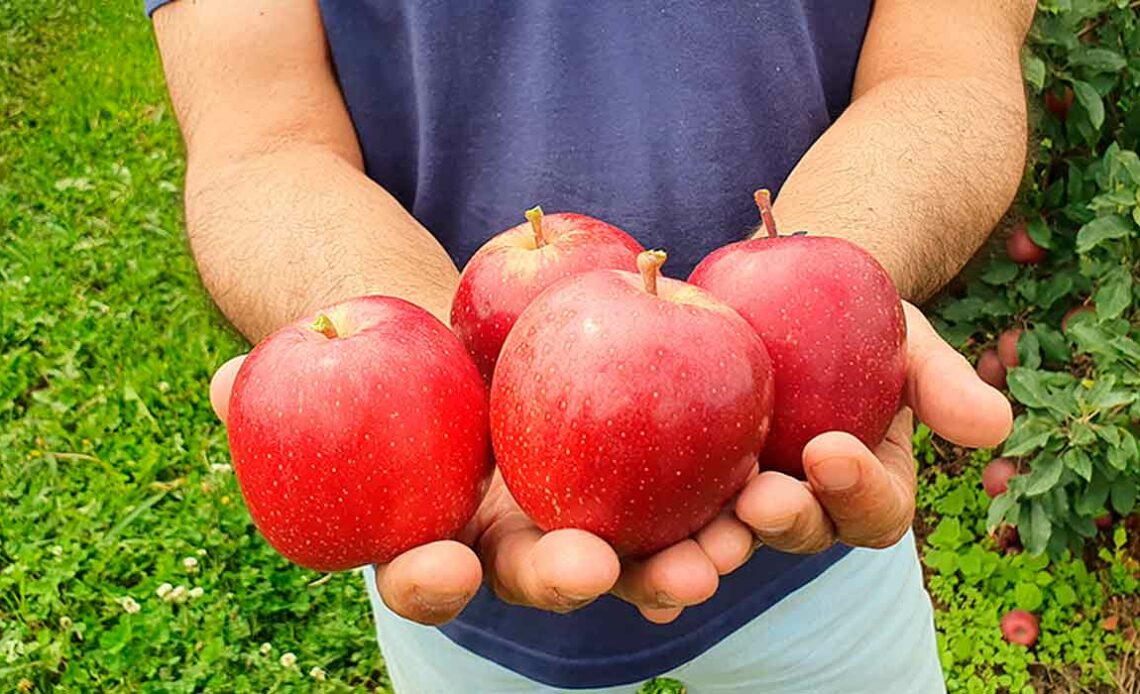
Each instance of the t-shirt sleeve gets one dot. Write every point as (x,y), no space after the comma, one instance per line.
(152,5)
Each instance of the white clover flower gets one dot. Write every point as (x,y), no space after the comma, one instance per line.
(318,674)
(178,594)
(221,468)
(266,648)
(288,660)
(164,590)
(196,592)
(57,551)
(129,605)
(190,564)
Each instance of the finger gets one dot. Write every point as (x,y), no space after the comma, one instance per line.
(222,384)
(558,571)
(946,393)
(661,615)
(868,496)
(726,541)
(432,583)
(784,514)
(678,576)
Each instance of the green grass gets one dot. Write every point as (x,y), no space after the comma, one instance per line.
(113,470)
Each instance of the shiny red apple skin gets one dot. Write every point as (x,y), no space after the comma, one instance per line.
(834,327)
(509,271)
(1022,249)
(1059,105)
(633,416)
(352,450)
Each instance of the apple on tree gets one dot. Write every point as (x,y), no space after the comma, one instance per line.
(1020,627)
(990,369)
(834,327)
(1007,348)
(629,406)
(511,269)
(996,476)
(1021,247)
(359,433)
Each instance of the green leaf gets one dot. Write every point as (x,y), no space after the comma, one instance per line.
(998,509)
(1038,230)
(1100,230)
(1081,433)
(1028,386)
(1054,346)
(1000,272)
(1114,294)
(1029,434)
(1098,59)
(1029,350)
(1057,286)
(1079,462)
(1088,98)
(1036,529)
(1027,596)
(1124,495)
(1043,475)
(1094,496)
(1034,70)
(1064,594)
(948,534)
(966,309)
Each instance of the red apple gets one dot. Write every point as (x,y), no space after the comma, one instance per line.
(1020,627)
(1104,521)
(990,369)
(833,324)
(511,269)
(1078,310)
(631,407)
(359,433)
(996,476)
(1059,105)
(1022,249)
(1007,348)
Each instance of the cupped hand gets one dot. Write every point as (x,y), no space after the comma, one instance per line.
(557,571)
(863,497)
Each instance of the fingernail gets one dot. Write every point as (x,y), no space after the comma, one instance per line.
(781,524)
(571,600)
(836,474)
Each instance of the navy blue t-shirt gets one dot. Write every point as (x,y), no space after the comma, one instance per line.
(659,117)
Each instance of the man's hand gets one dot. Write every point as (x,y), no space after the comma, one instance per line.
(557,571)
(866,498)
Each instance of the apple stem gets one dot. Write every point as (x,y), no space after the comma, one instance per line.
(764,202)
(649,265)
(324,325)
(534,216)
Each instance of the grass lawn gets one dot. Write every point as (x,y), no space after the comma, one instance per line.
(127,560)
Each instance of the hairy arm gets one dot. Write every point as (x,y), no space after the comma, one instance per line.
(280,215)
(929,154)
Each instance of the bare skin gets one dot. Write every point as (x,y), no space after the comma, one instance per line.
(275,182)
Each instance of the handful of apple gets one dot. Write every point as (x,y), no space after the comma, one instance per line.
(624,403)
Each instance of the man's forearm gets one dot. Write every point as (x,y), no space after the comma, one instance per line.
(917,171)
(280,234)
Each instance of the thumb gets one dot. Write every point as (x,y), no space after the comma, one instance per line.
(222,384)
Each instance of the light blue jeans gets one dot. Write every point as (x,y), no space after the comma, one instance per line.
(864,625)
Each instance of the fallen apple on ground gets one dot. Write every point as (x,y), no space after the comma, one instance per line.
(833,324)
(1020,627)
(359,433)
(514,267)
(629,406)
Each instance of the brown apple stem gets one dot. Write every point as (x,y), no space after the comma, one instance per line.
(649,265)
(534,216)
(764,202)
(324,325)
